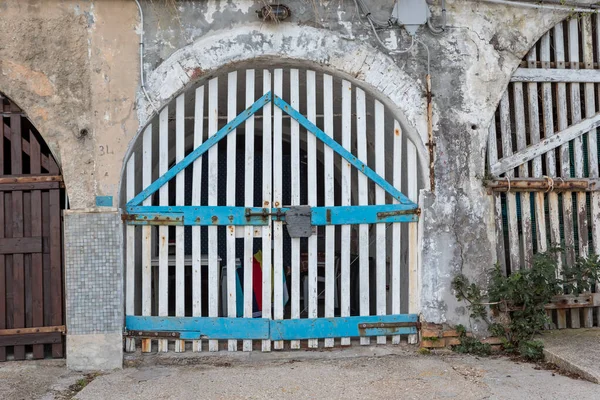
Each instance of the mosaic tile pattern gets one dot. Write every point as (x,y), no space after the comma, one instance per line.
(93,268)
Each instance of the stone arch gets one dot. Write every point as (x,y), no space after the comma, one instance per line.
(355,61)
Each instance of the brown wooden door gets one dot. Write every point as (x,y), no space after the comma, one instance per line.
(31,272)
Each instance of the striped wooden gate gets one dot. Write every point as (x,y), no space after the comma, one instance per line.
(276,213)
(31,301)
(543,157)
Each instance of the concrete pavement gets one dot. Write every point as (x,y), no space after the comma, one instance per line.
(368,373)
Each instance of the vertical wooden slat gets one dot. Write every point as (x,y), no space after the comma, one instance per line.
(130,249)
(346,195)
(3,282)
(56,276)
(511,200)
(179,201)
(163,230)
(3,287)
(498,219)
(8,216)
(396,227)
(592,149)
(295,196)
(45,255)
(592,142)
(533,114)
(277,202)
(575,103)
(562,123)
(196,200)
(27,258)
(534,133)
(17,231)
(527,235)
(147,235)
(213,179)
(363,199)
(37,277)
(380,244)
(575,99)
(413,238)
(311,156)
(329,201)
(561,117)
(266,195)
(231,189)
(249,202)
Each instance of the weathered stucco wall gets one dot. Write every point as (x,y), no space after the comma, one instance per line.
(471,63)
(72,67)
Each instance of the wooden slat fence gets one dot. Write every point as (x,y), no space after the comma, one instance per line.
(543,144)
(31,273)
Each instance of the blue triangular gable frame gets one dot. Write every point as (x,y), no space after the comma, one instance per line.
(242,117)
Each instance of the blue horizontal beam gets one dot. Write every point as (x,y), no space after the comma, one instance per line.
(335,146)
(200,150)
(241,216)
(199,328)
(198,215)
(374,214)
(192,328)
(322,328)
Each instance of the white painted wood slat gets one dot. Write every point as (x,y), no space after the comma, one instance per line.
(130,267)
(147,235)
(592,150)
(498,219)
(534,132)
(180,230)
(213,181)
(527,235)
(230,201)
(329,201)
(346,196)
(363,199)
(575,103)
(380,244)
(266,195)
(249,202)
(196,199)
(511,200)
(295,196)
(413,237)
(277,202)
(311,155)
(550,159)
(575,100)
(397,226)
(163,231)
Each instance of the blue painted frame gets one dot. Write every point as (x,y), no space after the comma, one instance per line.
(193,328)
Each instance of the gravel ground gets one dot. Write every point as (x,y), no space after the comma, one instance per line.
(401,375)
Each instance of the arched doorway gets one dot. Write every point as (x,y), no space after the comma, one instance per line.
(295,168)
(31,268)
(543,158)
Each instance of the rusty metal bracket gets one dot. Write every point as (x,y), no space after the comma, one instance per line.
(152,334)
(389,325)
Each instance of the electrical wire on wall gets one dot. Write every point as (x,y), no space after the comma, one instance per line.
(374,24)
